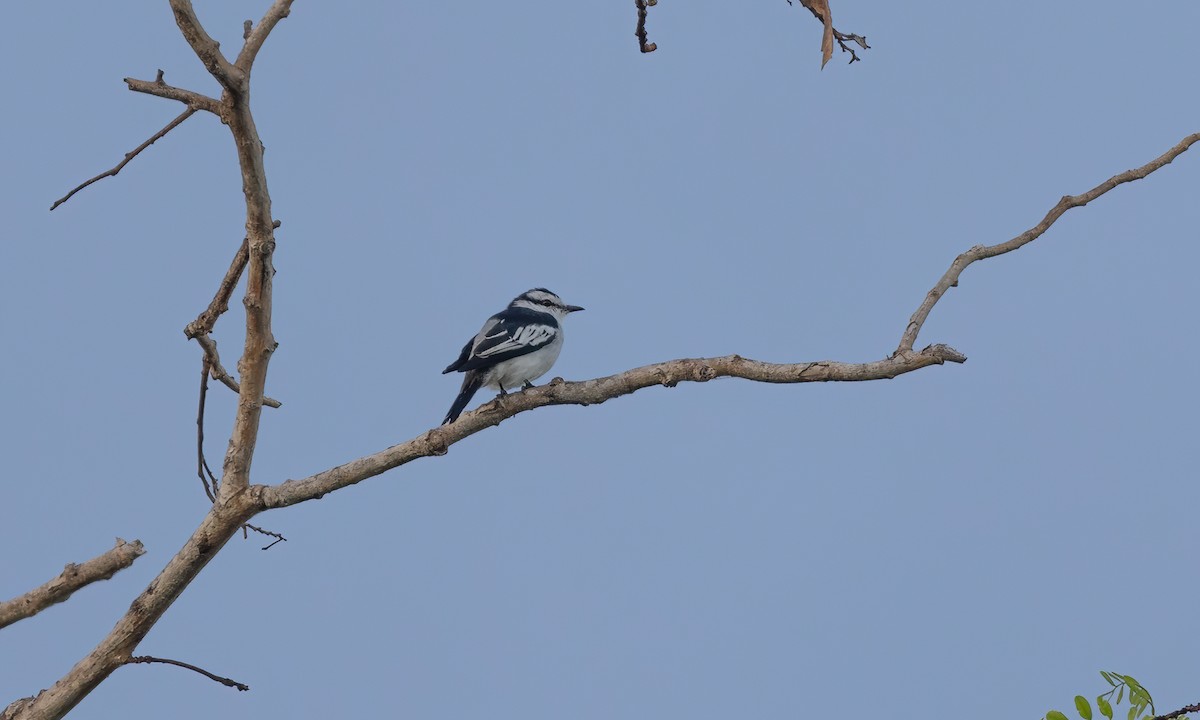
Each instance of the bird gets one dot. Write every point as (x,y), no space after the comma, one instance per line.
(517,345)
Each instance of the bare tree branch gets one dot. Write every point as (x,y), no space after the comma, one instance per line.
(199,328)
(128,156)
(982,252)
(260,341)
(260,236)
(1178,713)
(159,88)
(256,35)
(217,527)
(220,374)
(223,680)
(208,50)
(841,41)
(207,479)
(233,507)
(592,392)
(72,578)
(646,47)
(207,320)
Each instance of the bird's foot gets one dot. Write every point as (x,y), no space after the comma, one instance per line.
(528,385)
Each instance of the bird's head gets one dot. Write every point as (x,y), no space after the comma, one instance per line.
(542,300)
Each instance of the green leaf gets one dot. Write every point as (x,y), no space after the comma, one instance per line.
(1105,706)
(1132,712)
(1120,694)
(1056,715)
(1084,707)
(1108,678)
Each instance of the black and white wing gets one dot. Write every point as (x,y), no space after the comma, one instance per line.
(506,335)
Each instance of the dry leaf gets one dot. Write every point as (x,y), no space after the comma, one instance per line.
(820,8)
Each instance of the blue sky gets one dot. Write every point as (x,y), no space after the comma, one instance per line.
(965,539)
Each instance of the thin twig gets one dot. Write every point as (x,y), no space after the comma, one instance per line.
(165,661)
(841,41)
(201,463)
(982,252)
(646,47)
(278,537)
(72,578)
(128,156)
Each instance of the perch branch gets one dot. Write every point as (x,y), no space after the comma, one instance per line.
(983,252)
(223,680)
(593,392)
(128,156)
(72,578)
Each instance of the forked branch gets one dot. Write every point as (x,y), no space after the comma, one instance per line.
(232,508)
(208,50)
(256,35)
(220,374)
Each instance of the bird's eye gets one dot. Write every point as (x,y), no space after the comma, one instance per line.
(547,303)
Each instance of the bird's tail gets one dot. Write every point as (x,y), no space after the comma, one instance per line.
(472,382)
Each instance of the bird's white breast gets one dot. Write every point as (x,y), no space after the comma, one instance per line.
(512,374)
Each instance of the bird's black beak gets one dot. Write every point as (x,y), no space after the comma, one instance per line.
(572,308)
